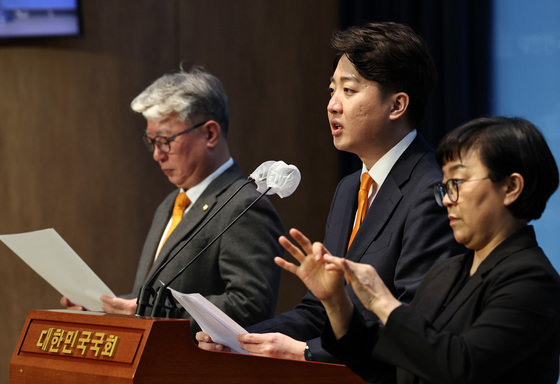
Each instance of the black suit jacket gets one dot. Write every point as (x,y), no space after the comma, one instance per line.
(403,234)
(501,326)
(237,273)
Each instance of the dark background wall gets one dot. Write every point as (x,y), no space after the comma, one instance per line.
(71,157)
(457,34)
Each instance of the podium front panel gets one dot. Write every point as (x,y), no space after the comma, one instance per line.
(80,347)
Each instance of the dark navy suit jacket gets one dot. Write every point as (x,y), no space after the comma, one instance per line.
(403,234)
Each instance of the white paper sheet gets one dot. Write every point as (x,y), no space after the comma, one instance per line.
(221,328)
(52,258)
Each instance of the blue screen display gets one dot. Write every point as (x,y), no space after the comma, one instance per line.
(39,18)
(526,72)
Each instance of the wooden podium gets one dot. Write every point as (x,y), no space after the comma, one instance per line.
(73,347)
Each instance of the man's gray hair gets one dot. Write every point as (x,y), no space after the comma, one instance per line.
(188,94)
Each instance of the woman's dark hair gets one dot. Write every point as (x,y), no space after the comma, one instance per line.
(392,55)
(507,145)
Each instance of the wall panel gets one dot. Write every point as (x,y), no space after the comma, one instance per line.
(70,151)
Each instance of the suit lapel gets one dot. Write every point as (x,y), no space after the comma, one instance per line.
(146,266)
(458,301)
(343,216)
(522,239)
(387,199)
(188,224)
(377,215)
(195,216)
(439,280)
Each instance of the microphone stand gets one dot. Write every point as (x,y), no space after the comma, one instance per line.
(147,292)
(163,293)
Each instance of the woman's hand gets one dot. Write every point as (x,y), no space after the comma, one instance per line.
(368,286)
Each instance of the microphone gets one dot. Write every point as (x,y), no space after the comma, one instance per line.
(282,179)
(146,291)
(260,174)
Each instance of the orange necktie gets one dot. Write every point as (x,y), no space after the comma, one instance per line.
(181,202)
(365,185)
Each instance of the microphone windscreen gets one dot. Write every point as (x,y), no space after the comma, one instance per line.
(260,175)
(283,179)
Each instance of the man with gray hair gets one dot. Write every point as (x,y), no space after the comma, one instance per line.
(187,122)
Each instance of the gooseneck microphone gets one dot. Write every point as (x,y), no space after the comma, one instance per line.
(281,179)
(259,176)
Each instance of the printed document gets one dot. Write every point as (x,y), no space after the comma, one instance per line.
(52,258)
(221,328)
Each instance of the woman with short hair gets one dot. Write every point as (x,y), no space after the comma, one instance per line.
(489,315)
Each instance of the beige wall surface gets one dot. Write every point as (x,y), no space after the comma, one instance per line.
(71,157)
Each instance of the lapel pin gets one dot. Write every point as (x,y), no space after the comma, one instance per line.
(205,208)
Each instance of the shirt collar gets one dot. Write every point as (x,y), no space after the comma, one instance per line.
(195,192)
(383,166)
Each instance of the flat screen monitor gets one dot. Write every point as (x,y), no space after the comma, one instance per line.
(39,18)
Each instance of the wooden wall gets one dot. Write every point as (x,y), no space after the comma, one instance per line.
(71,157)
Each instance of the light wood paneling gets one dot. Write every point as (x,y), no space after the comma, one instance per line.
(70,151)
